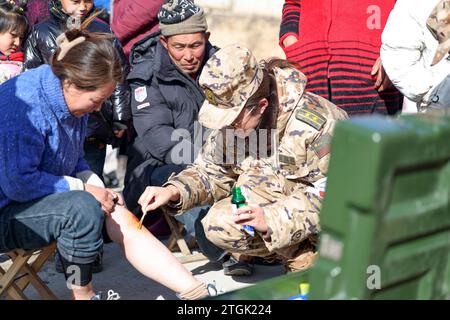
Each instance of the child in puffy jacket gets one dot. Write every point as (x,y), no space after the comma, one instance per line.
(13,29)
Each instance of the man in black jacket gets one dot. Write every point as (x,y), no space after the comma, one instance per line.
(165,99)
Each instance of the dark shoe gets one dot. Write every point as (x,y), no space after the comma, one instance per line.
(232,267)
(98,296)
(96,268)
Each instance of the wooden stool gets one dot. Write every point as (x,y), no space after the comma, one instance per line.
(176,240)
(23,270)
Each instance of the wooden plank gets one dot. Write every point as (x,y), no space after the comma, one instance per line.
(177,238)
(39,285)
(23,271)
(13,290)
(8,277)
(192,258)
(174,227)
(43,256)
(11,273)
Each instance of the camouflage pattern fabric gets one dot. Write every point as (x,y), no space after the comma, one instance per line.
(229,78)
(439,25)
(277,182)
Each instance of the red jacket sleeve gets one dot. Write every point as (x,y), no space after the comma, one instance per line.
(290,19)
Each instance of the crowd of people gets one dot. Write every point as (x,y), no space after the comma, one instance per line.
(195,121)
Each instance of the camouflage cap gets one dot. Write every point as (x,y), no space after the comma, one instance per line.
(230,77)
(439,24)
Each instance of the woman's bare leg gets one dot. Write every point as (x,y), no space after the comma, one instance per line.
(146,253)
(82,293)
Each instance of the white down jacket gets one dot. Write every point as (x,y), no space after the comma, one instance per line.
(408,48)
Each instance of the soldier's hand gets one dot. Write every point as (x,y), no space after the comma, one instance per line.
(155,197)
(251,216)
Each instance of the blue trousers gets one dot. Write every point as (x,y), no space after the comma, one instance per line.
(73,219)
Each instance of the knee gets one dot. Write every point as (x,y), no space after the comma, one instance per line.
(219,226)
(84,207)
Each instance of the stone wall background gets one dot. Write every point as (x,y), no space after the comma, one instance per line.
(253,23)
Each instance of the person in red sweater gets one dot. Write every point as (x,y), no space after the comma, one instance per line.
(133,20)
(336,44)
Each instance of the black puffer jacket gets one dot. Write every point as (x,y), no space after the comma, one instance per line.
(116,111)
(163,99)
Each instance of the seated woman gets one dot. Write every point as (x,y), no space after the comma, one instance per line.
(47,191)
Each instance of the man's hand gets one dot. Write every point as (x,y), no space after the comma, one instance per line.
(118,199)
(383,82)
(289,40)
(252,216)
(155,197)
(119,133)
(107,197)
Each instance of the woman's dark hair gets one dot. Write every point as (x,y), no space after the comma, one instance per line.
(268,89)
(12,17)
(89,64)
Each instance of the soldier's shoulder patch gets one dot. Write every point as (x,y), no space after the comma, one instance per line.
(286,159)
(322,145)
(311,117)
(210,97)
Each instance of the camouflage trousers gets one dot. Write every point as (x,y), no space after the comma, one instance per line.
(221,230)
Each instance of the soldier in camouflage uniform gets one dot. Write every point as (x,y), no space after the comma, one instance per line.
(439,25)
(283,204)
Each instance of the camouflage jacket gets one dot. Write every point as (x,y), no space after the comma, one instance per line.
(277,182)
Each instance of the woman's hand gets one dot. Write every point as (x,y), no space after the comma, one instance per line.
(155,197)
(252,216)
(383,82)
(289,40)
(119,133)
(107,197)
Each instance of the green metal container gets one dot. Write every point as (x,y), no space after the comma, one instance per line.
(385,218)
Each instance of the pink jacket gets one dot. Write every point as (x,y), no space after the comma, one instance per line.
(134,19)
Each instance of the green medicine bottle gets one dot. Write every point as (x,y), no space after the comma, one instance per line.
(238,200)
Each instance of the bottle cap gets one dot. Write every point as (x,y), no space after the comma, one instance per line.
(304,288)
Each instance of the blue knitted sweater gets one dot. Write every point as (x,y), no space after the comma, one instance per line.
(40,140)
